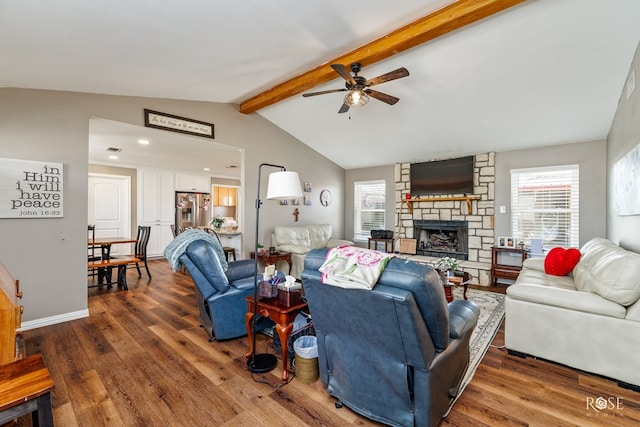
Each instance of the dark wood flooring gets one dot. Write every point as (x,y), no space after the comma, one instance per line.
(141,359)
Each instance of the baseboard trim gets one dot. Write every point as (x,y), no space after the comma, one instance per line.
(517,354)
(53,320)
(629,386)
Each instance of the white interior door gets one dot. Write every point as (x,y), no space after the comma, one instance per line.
(110,207)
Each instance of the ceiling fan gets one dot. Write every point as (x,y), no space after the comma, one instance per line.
(358,86)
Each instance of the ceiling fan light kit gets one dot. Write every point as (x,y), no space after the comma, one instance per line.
(358,86)
(356,98)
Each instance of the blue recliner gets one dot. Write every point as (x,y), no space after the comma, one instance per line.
(220,294)
(397,353)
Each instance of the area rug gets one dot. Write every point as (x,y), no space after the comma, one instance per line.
(491,315)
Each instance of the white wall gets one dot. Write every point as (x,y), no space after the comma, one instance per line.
(386,173)
(590,156)
(624,136)
(49,255)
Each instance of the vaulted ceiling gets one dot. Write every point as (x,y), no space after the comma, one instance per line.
(485,75)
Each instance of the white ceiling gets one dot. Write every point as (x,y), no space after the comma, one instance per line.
(544,72)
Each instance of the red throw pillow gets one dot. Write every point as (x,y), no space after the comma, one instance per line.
(560,261)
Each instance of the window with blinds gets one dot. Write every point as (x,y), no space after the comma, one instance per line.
(545,205)
(369,208)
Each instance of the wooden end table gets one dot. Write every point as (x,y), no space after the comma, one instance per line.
(283,316)
(385,241)
(500,270)
(273,258)
(457,281)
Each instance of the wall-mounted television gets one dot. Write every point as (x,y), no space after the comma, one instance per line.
(450,176)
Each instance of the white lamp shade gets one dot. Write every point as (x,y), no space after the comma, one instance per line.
(284,185)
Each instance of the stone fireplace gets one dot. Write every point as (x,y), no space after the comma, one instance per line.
(461,225)
(442,238)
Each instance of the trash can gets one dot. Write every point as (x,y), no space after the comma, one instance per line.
(306,349)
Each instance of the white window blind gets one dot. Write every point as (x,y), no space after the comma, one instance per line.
(369,208)
(545,205)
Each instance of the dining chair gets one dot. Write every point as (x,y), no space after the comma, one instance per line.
(228,250)
(92,254)
(142,241)
(141,248)
(91,237)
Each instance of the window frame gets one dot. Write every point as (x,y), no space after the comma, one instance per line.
(376,185)
(549,180)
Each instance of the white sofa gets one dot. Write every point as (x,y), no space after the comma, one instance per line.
(301,239)
(589,319)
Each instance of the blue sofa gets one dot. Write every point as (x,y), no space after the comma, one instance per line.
(397,353)
(220,294)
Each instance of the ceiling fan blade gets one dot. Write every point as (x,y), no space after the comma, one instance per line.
(343,109)
(323,92)
(382,96)
(344,73)
(391,75)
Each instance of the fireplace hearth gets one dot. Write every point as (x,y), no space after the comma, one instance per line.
(442,238)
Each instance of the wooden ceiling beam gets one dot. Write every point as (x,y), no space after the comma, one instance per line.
(436,24)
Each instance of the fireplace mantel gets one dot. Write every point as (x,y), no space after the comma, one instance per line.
(468,199)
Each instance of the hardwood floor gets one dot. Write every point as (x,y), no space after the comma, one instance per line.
(141,359)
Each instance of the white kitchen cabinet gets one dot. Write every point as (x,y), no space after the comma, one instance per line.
(156,207)
(195,183)
(234,241)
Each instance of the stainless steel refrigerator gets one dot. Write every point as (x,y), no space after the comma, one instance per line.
(193,209)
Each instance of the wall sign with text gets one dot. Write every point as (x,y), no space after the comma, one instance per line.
(164,121)
(30,189)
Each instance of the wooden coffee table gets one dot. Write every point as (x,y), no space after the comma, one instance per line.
(283,316)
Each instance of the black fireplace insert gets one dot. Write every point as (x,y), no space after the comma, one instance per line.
(442,238)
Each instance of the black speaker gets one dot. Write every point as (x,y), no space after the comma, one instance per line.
(381,234)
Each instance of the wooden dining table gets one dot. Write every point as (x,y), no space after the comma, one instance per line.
(105,243)
(102,241)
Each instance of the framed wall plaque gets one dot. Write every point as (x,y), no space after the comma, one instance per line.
(31,189)
(627,183)
(164,121)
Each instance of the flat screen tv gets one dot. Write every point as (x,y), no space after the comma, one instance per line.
(450,176)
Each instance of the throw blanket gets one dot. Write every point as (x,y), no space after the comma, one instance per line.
(353,268)
(178,246)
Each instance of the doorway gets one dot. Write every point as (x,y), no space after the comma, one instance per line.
(109,207)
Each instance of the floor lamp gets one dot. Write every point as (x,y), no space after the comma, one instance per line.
(282,185)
